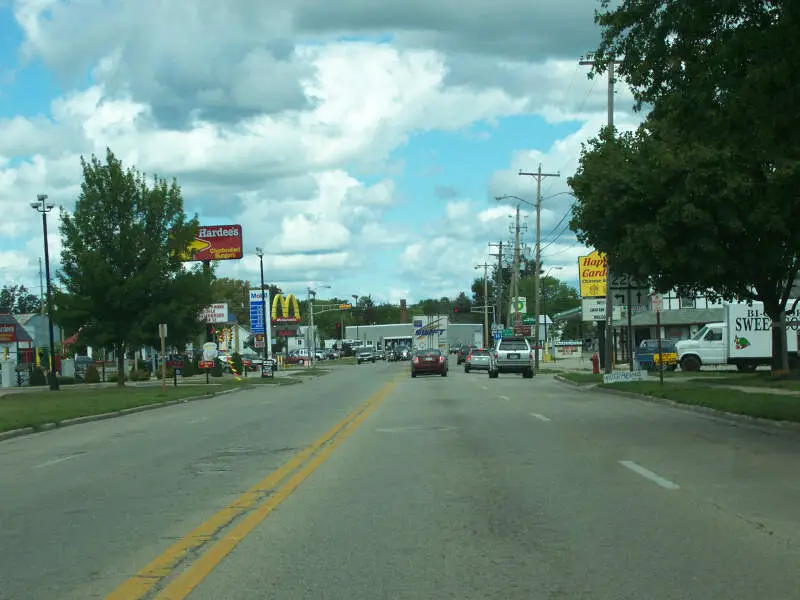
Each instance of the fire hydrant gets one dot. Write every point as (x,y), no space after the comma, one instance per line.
(595,363)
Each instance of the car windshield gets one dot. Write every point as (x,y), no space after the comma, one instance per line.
(513,345)
(699,335)
(430,352)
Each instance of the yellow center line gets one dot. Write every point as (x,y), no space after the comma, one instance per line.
(150,575)
(187,581)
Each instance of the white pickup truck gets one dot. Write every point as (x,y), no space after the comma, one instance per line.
(743,339)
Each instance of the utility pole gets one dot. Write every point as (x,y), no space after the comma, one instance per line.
(515,272)
(485,303)
(536,276)
(498,315)
(312,343)
(609,330)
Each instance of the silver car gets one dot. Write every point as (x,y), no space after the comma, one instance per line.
(511,355)
(477,359)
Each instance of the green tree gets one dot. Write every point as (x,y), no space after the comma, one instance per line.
(16,299)
(236,294)
(705,193)
(120,272)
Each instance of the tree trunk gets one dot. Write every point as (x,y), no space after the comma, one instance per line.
(776,312)
(120,365)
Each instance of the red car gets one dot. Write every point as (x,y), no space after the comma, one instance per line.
(429,361)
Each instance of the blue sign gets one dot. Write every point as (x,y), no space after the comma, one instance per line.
(256,316)
(498,335)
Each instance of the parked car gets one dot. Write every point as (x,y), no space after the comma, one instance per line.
(429,361)
(511,355)
(647,355)
(365,356)
(478,359)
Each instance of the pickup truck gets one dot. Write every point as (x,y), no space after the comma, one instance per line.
(511,355)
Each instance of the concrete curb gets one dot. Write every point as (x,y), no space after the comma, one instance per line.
(568,381)
(705,411)
(7,435)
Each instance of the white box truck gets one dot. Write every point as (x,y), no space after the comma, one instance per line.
(743,339)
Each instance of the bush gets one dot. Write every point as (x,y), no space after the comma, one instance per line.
(141,365)
(216,371)
(236,362)
(66,380)
(140,375)
(37,377)
(188,367)
(114,377)
(92,375)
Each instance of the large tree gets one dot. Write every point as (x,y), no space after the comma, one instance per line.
(16,299)
(120,271)
(705,195)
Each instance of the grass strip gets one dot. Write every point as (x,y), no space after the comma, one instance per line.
(762,406)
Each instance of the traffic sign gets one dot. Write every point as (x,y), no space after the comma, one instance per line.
(345,306)
(497,335)
(657,302)
(507,333)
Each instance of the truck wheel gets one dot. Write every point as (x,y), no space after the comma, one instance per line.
(466,369)
(528,373)
(745,368)
(690,363)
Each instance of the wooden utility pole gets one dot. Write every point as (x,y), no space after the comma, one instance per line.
(538,175)
(486,331)
(498,317)
(609,329)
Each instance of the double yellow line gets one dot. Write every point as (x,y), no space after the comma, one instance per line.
(255,504)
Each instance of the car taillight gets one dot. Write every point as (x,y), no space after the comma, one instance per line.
(416,360)
(441,359)
(469,358)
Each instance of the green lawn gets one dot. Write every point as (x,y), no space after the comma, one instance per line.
(761,379)
(35,408)
(765,406)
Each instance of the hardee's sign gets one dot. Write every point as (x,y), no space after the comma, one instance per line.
(282,309)
(593,272)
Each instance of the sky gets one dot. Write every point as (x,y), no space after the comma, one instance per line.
(362,145)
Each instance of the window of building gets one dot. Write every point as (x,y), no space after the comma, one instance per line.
(687,302)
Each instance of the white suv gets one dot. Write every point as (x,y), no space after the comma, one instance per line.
(511,355)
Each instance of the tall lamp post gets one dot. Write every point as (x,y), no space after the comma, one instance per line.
(355,305)
(312,295)
(43,206)
(267,341)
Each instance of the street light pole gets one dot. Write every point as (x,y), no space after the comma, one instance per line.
(267,333)
(355,305)
(312,349)
(43,206)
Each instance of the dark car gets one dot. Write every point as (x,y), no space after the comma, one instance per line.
(430,361)
(463,353)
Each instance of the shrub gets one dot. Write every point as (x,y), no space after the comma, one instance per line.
(216,371)
(236,362)
(140,375)
(92,375)
(141,365)
(188,367)
(37,377)
(66,380)
(114,377)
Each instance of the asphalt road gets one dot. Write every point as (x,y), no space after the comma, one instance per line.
(459,487)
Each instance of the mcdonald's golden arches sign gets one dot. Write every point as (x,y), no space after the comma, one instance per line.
(285,309)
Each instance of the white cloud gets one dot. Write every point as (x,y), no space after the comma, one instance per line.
(267,120)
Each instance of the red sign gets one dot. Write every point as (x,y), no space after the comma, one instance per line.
(286,333)
(524,330)
(205,364)
(8,333)
(175,364)
(215,242)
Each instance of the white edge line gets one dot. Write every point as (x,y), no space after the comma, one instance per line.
(504,398)
(648,474)
(55,461)
(540,417)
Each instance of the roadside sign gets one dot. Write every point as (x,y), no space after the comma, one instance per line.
(507,333)
(345,306)
(497,335)
(215,242)
(657,302)
(205,364)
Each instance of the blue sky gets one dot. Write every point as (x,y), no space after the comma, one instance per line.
(383,185)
